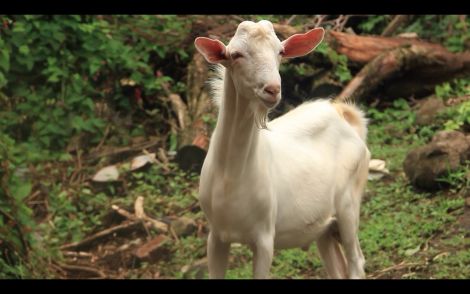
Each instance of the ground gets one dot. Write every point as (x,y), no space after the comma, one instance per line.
(405,233)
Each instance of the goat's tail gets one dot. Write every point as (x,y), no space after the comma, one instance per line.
(354,116)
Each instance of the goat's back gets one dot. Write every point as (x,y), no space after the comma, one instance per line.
(316,158)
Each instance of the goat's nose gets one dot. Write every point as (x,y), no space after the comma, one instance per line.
(272,89)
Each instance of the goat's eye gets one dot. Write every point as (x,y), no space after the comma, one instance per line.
(281,52)
(236,55)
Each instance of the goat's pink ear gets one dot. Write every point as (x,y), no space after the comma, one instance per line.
(213,50)
(302,44)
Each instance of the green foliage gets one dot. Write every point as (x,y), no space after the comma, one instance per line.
(458,116)
(339,61)
(374,24)
(393,131)
(455,88)
(461,117)
(457,179)
(398,223)
(63,77)
(74,214)
(16,221)
(54,70)
(449,30)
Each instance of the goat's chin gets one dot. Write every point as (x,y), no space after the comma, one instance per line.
(261,116)
(268,104)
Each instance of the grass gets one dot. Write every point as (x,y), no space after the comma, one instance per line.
(404,233)
(398,224)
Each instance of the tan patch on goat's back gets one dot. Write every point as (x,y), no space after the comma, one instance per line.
(350,114)
(347,113)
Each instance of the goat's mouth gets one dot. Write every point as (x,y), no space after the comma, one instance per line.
(269,102)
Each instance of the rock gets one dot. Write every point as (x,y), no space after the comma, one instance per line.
(446,152)
(428,110)
(190,158)
(183,226)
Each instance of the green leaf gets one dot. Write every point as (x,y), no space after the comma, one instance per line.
(173,142)
(3,80)
(20,190)
(5,59)
(94,67)
(65,157)
(54,78)
(24,49)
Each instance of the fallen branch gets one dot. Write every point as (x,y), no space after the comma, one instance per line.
(290,19)
(154,160)
(173,234)
(113,151)
(100,235)
(396,22)
(139,208)
(82,268)
(77,254)
(140,215)
(395,267)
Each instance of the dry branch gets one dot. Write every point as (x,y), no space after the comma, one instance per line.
(401,265)
(100,235)
(140,215)
(396,22)
(113,151)
(82,268)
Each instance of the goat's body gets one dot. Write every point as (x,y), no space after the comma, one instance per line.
(311,155)
(316,155)
(288,183)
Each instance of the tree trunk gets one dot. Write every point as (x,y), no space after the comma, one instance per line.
(397,67)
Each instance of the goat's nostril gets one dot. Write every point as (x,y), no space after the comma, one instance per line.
(272,89)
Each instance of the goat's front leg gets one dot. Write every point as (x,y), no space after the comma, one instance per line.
(217,255)
(263,256)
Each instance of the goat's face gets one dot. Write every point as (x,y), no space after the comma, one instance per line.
(253,57)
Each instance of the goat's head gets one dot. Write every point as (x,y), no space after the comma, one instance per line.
(253,57)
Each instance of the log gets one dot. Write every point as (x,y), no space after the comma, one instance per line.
(362,49)
(398,67)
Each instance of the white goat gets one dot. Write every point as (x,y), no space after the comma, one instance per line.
(286,183)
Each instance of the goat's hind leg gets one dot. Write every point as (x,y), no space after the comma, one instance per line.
(331,255)
(217,255)
(348,224)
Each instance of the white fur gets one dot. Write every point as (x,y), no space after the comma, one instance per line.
(296,182)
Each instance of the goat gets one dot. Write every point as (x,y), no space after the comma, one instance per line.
(284,183)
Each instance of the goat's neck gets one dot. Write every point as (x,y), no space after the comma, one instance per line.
(236,137)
